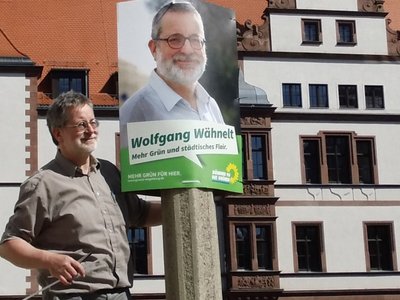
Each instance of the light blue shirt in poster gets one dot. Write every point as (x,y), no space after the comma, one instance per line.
(157,101)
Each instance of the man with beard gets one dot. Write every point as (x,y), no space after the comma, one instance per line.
(173,92)
(71,217)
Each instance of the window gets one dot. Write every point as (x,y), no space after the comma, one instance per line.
(374,96)
(264,247)
(258,155)
(308,248)
(244,156)
(291,95)
(379,247)
(339,158)
(243,247)
(138,242)
(312,160)
(365,160)
(255,156)
(348,96)
(66,80)
(253,245)
(311,31)
(346,32)
(318,95)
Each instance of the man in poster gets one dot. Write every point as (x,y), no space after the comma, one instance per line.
(173,91)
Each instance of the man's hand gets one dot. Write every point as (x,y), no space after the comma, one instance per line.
(24,255)
(64,267)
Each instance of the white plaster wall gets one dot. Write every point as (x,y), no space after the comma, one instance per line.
(270,74)
(340,283)
(343,241)
(148,286)
(12,127)
(12,278)
(349,5)
(337,193)
(286,149)
(286,34)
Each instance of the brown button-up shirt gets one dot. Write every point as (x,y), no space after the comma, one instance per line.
(62,210)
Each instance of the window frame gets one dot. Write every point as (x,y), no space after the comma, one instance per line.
(70,74)
(318,86)
(354,167)
(374,99)
(292,102)
(248,164)
(322,255)
(318,33)
(353,32)
(149,264)
(345,98)
(253,259)
(392,245)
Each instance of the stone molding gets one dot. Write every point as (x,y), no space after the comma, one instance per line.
(393,38)
(371,5)
(252,189)
(255,282)
(252,37)
(254,122)
(285,4)
(253,210)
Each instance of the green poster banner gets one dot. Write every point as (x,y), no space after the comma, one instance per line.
(168,154)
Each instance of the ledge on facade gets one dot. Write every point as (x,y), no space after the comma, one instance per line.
(306,115)
(254,294)
(315,56)
(369,294)
(16,61)
(324,12)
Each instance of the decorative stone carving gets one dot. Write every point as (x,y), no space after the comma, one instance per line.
(253,37)
(255,189)
(256,282)
(286,4)
(252,210)
(254,121)
(393,38)
(371,5)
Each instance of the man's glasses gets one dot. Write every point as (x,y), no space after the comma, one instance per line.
(177,41)
(84,125)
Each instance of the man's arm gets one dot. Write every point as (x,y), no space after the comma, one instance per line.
(24,255)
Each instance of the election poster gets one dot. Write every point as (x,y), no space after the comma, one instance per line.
(168,138)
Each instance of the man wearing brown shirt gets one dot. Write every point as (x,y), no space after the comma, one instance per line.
(73,207)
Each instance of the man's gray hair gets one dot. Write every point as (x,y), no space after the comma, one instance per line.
(181,7)
(58,113)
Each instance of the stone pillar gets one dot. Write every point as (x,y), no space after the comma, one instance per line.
(191,254)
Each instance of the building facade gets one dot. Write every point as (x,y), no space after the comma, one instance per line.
(319,216)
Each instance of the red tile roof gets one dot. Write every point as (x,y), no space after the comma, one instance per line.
(83,34)
(393,7)
(57,34)
(7,49)
(245,9)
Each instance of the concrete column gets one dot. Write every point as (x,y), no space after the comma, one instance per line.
(191,255)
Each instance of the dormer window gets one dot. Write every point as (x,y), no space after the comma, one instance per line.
(66,80)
